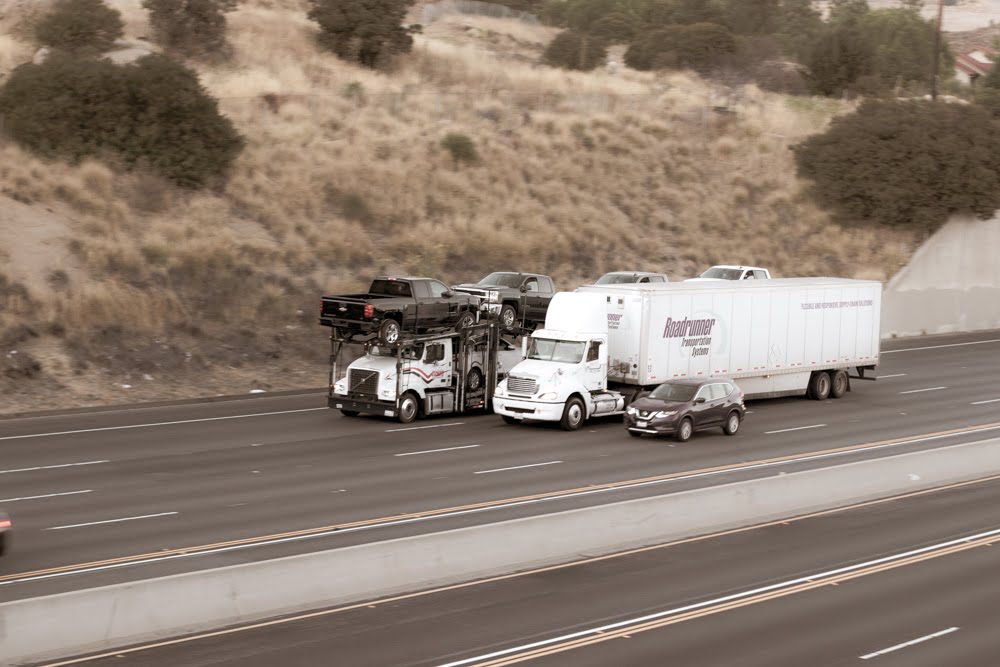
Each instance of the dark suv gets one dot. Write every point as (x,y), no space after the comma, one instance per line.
(513,296)
(683,406)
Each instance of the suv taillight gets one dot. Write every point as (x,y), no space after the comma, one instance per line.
(369,311)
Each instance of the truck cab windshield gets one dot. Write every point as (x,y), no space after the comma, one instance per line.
(563,351)
(502,280)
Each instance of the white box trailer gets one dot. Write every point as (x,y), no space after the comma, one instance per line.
(773,338)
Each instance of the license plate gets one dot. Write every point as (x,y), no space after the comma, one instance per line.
(642,424)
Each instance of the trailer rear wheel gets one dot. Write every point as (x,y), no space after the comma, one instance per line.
(839,384)
(408,408)
(509,420)
(819,386)
(350,413)
(388,331)
(573,415)
(684,430)
(732,423)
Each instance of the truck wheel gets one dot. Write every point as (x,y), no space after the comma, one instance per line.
(819,386)
(573,415)
(508,316)
(408,408)
(474,380)
(684,430)
(465,320)
(388,331)
(508,420)
(839,383)
(732,423)
(350,413)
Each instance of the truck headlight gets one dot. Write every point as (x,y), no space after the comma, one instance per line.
(493,296)
(548,396)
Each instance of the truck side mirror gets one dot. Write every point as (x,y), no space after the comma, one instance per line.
(523,288)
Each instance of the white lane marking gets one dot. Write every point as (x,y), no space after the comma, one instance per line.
(894,375)
(797,428)
(992,400)
(938,347)
(61,465)
(48,495)
(98,523)
(435,451)
(417,428)
(180,421)
(483,510)
(530,465)
(917,391)
(918,640)
(811,578)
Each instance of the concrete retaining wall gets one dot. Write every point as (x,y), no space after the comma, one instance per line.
(113,616)
(951,284)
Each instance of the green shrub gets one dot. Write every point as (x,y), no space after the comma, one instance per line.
(195,28)
(906,164)
(461,148)
(698,46)
(369,32)
(152,113)
(80,27)
(989,99)
(575,50)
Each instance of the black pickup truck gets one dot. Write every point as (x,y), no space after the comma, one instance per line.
(513,296)
(396,304)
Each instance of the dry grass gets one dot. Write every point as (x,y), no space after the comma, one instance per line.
(344,176)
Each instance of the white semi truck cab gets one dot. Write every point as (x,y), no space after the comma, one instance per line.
(422,375)
(564,375)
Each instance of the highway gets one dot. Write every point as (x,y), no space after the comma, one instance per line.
(199,485)
(907,582)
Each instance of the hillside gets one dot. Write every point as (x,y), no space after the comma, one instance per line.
(118,287)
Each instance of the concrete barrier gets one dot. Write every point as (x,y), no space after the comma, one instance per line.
(951,284)
(54,626)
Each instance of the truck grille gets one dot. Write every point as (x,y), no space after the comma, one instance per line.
(522,386)
(361,381)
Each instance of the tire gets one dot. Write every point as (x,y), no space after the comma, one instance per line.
(635,434)
(389,331)
(819,386)
(350,413)
(474,380)
(409,407)
(465,320)
(574,414)
(508,316)
(684,430)
(732,423)
(839,383)
(508,420)
(3,544)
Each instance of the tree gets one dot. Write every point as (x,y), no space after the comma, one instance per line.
(576,50)
(369,32)
(904,45)
(752,17)
(80,27)
(151,113)
(195,28)
(840,57)
(911,163)
(698,46)
(798,24)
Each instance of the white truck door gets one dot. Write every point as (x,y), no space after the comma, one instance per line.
(433,370)
(595,367)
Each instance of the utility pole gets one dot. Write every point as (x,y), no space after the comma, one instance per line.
(937,51)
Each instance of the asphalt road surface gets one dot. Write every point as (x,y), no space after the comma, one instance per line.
(906,582)
(200,485)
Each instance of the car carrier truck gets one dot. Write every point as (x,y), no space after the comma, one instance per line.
(603,345)
(420,374)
